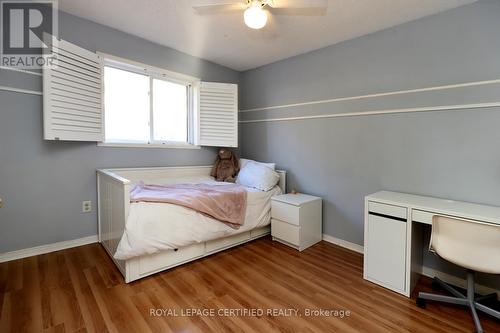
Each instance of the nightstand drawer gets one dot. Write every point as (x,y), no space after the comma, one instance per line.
(286,232)
(285,212)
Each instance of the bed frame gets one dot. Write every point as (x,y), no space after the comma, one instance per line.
(113,190)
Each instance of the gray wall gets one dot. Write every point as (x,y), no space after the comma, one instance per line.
(44,182)
(450,154)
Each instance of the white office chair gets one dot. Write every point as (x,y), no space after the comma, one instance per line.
(470,244)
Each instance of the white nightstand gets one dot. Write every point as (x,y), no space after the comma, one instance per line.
(296,220)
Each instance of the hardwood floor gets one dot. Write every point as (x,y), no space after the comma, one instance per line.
(80,290)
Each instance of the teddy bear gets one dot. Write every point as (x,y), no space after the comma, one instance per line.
(226,166)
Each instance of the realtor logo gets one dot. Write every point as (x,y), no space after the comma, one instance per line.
(28,31)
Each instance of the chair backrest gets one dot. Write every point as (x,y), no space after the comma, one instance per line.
(470,244)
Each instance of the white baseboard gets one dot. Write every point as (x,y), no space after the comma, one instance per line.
(343,243)
(33,251)
(426,271)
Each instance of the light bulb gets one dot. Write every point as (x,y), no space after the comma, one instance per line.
(255,17)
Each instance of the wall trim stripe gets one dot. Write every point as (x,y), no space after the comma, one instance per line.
(390,93)
(426,271)
(380,112)
(23,91)
(21,70)
(42,249)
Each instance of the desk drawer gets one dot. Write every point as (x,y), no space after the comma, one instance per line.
(285,231)
(422,216)
(385,209)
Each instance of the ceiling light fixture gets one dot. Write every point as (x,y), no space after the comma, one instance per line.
(255,17)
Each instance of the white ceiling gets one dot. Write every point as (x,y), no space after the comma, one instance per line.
(224,39)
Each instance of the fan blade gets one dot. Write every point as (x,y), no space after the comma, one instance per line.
(207,7)
(300,11)
(319,11)
(203,3)
(298,4)
(219,9)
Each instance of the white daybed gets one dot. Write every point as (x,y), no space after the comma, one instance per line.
(113,188)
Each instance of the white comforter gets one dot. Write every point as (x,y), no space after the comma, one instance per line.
(152,227)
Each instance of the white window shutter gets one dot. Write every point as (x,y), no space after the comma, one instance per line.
(218,119)
(72,95)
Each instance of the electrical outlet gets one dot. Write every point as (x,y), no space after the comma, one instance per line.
(86,206)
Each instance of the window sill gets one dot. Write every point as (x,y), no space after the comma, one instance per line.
(148,145)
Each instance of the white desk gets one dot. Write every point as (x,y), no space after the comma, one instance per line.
(393,234)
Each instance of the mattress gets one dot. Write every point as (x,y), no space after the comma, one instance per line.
(153,227)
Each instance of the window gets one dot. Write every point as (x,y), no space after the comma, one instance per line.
(112,101)
(126,105)
(170,111)
(147,106)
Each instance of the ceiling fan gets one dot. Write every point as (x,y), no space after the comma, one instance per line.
(255,11)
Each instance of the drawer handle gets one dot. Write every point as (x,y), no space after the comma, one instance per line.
(388,216)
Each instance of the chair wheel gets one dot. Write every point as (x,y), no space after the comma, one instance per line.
(421,303)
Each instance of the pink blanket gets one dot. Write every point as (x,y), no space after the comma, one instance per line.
(226,202)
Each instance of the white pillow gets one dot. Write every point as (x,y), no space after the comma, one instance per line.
(244,161)
(257,175)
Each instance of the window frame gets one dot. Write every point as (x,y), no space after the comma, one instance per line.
(193,87)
